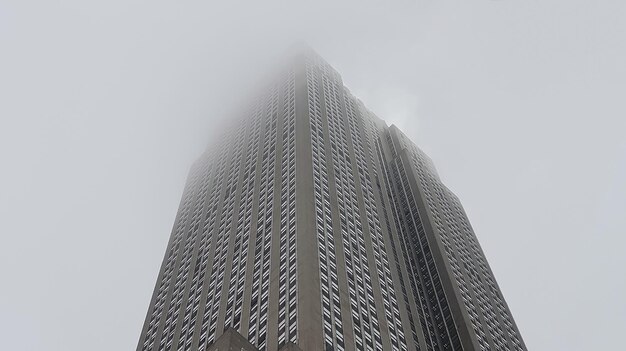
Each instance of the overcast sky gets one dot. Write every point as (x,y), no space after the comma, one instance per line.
(104,106)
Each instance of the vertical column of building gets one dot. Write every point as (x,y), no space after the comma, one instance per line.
(400,307)
(241,230)
(335,307)
(434,201)
(488,298)
(404,259)
(460,261)
(202,304)
(463,286)
(186,300)
(234,272)
(258,328)
(220,235)
(287,253)
(420,176)
(188,330)
(354,253)
(341,206)
(163,328)
(482,316)
(373,285)
(232,297)
(366,222)
(252,216)
(364,137)
(176,297)
(435,315)
(278,192)
(447,316)
(197,294)
(150,337)
(309,302)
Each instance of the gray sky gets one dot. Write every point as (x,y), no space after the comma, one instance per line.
(103,107)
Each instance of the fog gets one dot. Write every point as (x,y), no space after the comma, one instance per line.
(105,105)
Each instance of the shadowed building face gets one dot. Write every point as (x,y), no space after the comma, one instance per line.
(314,223)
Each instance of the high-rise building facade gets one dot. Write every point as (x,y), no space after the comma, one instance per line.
(314,223)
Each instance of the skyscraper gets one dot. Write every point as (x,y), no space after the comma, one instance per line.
(314,223)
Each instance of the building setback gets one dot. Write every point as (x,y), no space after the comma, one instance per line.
(312,223)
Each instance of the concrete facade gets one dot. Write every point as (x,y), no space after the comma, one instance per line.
(313,225)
